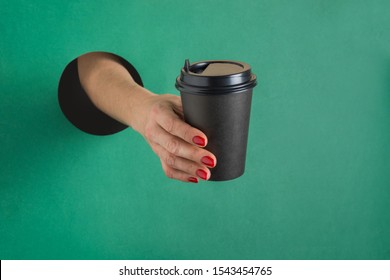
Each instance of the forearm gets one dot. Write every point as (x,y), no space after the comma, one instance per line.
(111,88)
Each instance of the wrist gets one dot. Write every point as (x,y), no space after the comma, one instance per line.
(138,105)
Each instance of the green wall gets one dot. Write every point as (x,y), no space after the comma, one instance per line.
(317,182)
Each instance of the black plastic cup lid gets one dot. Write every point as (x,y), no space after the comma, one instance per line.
(215,77)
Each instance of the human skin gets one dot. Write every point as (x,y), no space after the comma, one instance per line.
(157,117)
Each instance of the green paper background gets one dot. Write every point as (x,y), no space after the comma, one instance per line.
(317,182)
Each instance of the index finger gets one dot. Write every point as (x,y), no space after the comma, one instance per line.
(175,126)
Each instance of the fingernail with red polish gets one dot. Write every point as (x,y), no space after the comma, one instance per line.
(202,174)
(208,161)
(193,180)
(200,141)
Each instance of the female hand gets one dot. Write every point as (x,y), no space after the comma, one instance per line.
(178,145)
(158,118)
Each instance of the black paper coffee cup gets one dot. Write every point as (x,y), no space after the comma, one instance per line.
(216,97)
